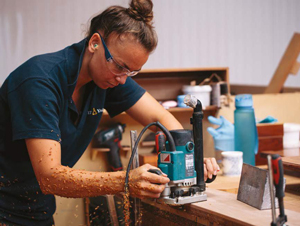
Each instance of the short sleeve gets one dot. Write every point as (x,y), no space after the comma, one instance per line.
(122,97)
(34,107)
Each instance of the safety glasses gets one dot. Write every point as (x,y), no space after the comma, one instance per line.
(113,66)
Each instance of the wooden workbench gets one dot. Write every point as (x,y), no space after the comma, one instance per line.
(221,208)
(291,163)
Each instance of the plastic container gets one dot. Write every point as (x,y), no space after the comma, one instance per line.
(202,93)
(232,163)
(291,135)
(291,139)
(180,102)
(245,131)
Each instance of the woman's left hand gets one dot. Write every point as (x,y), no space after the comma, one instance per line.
(210,168)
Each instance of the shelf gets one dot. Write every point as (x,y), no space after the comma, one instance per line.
(166,84)
(177,110)
(95,151)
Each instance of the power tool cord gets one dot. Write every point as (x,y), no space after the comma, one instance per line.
(171,145)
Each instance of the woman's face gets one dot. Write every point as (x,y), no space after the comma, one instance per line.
(125,50)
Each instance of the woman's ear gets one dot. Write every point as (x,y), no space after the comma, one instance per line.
(94,43)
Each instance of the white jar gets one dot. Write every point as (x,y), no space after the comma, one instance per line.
(232,163)
(202,93)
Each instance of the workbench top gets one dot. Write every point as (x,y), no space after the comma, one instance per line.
(291,163)
(221,208)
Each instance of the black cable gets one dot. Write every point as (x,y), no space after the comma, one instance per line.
(171,145)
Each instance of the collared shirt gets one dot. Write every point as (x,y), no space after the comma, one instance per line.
(36,102)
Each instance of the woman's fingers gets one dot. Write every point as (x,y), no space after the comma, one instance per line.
(205,172)
(215,165)
(211,166)
(146,190)
(156,179)
(145,184)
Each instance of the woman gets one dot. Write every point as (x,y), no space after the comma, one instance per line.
(51,105)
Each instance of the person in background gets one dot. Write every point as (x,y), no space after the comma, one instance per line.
(50,108)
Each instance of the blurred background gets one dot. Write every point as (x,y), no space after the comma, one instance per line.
(248,36)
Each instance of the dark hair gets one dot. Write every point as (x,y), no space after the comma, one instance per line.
(136,20)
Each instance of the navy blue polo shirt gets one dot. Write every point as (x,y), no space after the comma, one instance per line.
(36,102)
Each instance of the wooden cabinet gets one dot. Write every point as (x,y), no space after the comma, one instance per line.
(166,84)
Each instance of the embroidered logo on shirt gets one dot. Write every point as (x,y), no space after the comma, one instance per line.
(95,111)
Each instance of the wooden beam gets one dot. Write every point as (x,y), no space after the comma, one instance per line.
(286,65)
(295,68)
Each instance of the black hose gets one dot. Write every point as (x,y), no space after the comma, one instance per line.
(171,146)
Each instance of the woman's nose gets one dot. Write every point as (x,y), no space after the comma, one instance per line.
(121,79)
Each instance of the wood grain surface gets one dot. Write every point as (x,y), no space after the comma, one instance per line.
(221,208)
(291,163)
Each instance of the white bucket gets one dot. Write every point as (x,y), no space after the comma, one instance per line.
(202,93)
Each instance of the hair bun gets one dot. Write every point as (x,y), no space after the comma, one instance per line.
(141,10)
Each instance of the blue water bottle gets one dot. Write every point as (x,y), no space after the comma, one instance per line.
(245,131)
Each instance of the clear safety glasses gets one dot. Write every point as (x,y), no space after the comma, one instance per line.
(113,66)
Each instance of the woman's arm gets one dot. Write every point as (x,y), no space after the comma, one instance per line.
(148,110)
(54,178)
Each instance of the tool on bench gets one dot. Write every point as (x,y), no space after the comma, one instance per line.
(181,158)
(111,138)
(276,178)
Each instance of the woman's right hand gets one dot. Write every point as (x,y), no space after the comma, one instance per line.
(144,184)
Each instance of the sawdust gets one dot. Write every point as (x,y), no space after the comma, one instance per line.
(126,209)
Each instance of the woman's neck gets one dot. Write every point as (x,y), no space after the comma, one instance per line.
(83,77)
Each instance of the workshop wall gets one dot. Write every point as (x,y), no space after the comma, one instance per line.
(248,36)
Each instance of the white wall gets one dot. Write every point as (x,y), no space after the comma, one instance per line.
(248,36)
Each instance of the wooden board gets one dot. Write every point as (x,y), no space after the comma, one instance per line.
(269,129)
(291,163)
(221,208)
(150,158)
(270,137)
(270,143)
(288,64)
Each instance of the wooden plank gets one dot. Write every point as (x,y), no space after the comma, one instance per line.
(266,144)
(261,157)
(270,143)
(291,163)
(112,210)
(282,153)
(223,183)
(269,129)
(87,211)
(150,158)
(170,70)
(96,150)
(295,68)
(221,208)
(270,137)
(209,109)
(285,65)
